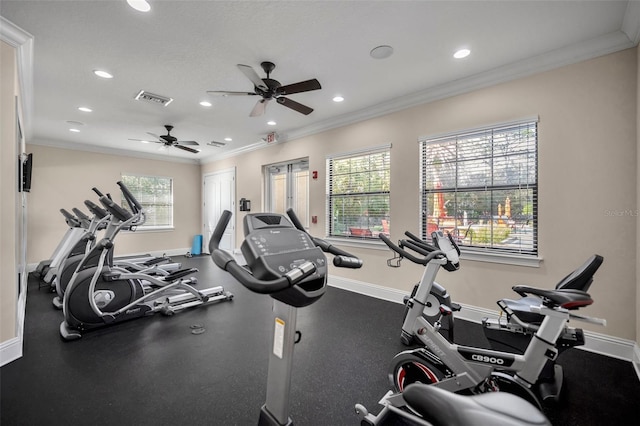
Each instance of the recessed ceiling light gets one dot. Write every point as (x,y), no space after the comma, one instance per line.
(102,74)
(85,109)
(140,5)
(381,52)
(228,139)
(462,53)
(74,130)
(271,123)
(205,103)
(338,98)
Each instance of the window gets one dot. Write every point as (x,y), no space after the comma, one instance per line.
(287,187)
(482,186)
(358,194)
(155,194)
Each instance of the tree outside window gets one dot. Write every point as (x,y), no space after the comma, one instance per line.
(155,194)
(481,186)
(358,187)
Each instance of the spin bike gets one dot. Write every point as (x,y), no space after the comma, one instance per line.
(99,295)
(288,264)
(456,368)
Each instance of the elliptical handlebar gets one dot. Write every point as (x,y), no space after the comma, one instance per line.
(131,200)
(71,220)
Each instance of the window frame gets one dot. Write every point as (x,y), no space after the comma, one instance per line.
(145,226)
(523,256)
(344,238)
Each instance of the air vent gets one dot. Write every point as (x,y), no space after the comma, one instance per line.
(216,144)
(153,98)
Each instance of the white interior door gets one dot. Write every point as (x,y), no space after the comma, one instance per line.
(219,195)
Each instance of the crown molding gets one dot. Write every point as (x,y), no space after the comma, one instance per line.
(631,22)
(109,151)
(568,55)
(22,41)
(593,48)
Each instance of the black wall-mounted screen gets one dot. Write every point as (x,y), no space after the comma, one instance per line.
(26,166)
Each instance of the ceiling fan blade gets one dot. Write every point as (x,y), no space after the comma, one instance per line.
(259,108)
(186,148)
(227,93)
(303,86)
(154,135)
(253,76)
(296,106)
(188,142)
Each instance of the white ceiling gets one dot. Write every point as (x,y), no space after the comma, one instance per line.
(181,49)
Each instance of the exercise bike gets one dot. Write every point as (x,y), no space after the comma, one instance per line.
(531,375)
(288,264)
(99,295)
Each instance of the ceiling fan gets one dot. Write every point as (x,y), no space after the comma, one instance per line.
(269,89)
(169,141)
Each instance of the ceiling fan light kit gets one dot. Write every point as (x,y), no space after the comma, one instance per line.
(270,89)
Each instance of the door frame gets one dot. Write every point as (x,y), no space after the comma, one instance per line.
(205,244)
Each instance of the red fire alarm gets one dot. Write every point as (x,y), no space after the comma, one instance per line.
(314,174)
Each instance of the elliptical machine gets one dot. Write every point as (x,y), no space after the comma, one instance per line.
(288,264)
(99,295)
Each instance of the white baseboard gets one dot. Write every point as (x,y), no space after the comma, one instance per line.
(603,344)
(10,350)
(172,252)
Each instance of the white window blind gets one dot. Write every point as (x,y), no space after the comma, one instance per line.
(155,194)
(358,193)
(482,187)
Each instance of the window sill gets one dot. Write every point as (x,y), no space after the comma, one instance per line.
(154,229)
(373,243)
(502,258)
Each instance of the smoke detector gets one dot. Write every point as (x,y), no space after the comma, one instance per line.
(153,98)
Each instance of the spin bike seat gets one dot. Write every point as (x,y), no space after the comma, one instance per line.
(442,407)
(580,279)
(568,299)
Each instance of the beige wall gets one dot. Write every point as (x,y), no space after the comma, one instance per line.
(637,316)
(587,180)
(8,185)
(63,179)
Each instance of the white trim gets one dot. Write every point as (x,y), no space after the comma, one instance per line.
(631,22)
(578,52)
(502,258)
(371,290)
(373,244)
(602,344)
(22,41)
(10,350)
(110,151)
(464,132)
(359,152)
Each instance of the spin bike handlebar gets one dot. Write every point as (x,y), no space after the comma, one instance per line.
(403,253)
(341,259)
